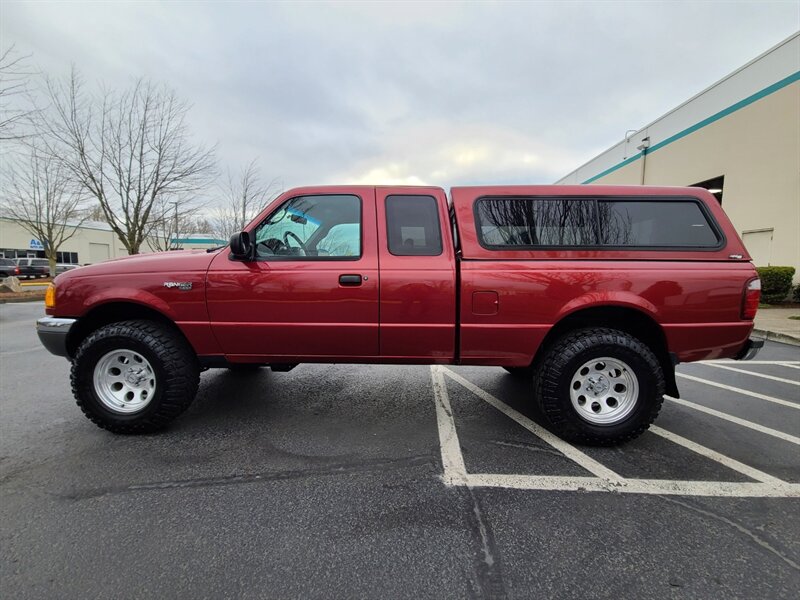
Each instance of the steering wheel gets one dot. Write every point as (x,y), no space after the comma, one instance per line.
(300,244)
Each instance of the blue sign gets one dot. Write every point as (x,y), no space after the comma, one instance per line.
(36,245)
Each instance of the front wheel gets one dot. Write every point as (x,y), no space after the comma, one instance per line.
(134,376)
(599,386)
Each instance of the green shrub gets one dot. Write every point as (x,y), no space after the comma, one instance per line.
(776,283)
(796,294)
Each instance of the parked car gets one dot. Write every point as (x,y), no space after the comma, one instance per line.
(64,267)
(32,268)
(8,268)
(594,293)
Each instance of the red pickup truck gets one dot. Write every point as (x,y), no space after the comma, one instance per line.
(593,292)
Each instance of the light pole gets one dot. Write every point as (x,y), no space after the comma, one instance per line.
(175,238)
(643,148)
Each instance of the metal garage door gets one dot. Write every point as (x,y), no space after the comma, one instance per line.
(759,245)
(98,253)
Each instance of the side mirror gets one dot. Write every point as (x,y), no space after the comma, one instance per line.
(240,245)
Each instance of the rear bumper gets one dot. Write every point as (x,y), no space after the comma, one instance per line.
(750,349)
(53,333)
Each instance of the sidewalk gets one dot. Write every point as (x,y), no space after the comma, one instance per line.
(775,324)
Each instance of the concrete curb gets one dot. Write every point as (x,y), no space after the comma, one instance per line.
(774,336)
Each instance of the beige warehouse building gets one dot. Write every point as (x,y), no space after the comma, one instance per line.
(91,243)
(739,138)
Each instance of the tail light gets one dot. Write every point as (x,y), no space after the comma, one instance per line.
(16,270)
(751,298)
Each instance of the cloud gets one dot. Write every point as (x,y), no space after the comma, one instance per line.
(433,153)
(440,93)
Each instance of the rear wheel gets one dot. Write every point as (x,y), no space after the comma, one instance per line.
(134,376)
(599,386)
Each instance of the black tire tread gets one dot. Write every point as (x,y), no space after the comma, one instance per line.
(180,385)
(554,363)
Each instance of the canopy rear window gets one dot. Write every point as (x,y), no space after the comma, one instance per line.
(584,222)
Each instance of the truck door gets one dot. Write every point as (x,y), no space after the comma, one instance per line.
(418,277)
(311,292)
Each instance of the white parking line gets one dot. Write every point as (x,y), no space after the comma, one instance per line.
(737,420)
(730,388)
(753,373)
(730,361)
(455,473)
(661,487)
(791,366)
(568,450)
(731,463)
(606,480)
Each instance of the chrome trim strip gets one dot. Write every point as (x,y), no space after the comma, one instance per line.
(54,324)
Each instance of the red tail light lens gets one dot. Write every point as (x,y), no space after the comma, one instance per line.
(751,298)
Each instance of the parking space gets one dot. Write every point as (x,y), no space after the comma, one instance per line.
(397,481)
(667,461)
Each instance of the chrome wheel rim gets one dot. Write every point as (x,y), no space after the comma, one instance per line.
(604,390)
(124,381)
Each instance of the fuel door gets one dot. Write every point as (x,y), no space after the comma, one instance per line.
(485,303)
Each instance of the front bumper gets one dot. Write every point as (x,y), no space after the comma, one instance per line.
(750,349)
(53,333)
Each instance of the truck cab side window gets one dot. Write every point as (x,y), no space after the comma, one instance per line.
(412,225)
(312,228)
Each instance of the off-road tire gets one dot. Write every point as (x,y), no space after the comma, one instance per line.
(173,360)
(560,363)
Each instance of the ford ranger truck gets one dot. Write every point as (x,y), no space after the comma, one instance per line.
(593,293)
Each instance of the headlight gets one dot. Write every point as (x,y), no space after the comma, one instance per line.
(50,296)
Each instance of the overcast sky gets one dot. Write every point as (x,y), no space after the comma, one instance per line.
(444,94)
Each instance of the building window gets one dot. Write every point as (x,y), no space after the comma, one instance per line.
(67,258)
(714,185)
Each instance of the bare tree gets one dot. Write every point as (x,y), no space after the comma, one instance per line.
(16,105)
(244,195)
(130,151)
(42,198)
(170,220)
(94,213)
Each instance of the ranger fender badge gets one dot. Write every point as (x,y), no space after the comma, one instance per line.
(181,285)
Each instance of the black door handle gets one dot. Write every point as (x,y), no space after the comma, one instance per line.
(349,279)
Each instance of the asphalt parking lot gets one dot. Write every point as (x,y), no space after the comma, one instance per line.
(341,481)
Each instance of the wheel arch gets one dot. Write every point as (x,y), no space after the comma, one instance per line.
(631,320)
(115,312)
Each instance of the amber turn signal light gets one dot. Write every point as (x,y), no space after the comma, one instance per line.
(50,296)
